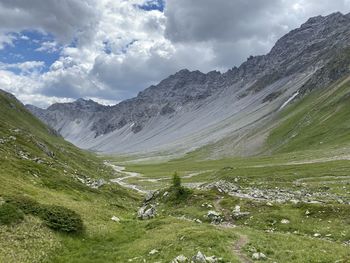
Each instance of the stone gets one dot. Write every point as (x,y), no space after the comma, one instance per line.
(149,196)
(214,217)
(153,252)
(285,221)
(199,258)
(212,259)
(147,212)
(115,219)
(180,259)
(258,256)
(223,187)
(237,214)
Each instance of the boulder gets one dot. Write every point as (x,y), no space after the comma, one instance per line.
(258,256)
(199,258)
(147,212)
(237,214)
(214,217)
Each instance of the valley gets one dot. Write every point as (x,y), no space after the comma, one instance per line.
(250,165)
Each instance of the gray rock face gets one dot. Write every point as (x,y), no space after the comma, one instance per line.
(146,212)
(191,109)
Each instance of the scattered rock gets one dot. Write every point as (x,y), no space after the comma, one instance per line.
(237,214)
(199,258)
(285,221)
(115,219)
(307,212)
(258,256)
(198,221)
(317,235)
(92,183)
(149,196)
(346,243)
(180,259)
(207,205)
(214,217)
(211,259)
(223,186)
(147,212)
(153,252)
(45,149)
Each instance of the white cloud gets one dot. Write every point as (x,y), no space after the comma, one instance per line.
(48,46)
(24,67)
(120,49)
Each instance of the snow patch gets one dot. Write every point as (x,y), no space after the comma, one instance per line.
(289,100)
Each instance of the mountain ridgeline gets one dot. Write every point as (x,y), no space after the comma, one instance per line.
(191,109)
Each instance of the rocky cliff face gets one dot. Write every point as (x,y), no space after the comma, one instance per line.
(190,109)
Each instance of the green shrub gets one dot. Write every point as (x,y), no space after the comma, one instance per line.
(10,214)
(55,217)
(61,219)
(26,204)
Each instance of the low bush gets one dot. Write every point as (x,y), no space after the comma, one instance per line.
(61,219)
(55,217)
(26,204)
(10,214)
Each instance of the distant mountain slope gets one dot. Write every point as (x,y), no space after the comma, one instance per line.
(190,109)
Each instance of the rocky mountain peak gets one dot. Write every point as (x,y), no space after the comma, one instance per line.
(79,104)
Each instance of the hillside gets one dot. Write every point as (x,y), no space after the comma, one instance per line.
(188,110)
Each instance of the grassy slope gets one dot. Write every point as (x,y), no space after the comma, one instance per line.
(317,122)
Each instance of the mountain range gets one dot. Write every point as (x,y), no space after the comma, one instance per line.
(191,109)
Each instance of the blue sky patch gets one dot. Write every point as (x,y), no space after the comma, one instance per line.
(27,47)
(153,5)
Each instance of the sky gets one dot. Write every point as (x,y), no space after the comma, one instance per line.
(109,50)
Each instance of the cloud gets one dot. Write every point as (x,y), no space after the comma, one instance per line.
(48,46)
(24,67)
(64,18)
(236,29)
(109,50)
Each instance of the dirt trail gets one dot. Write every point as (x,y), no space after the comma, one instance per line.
(238,249)
(127,175)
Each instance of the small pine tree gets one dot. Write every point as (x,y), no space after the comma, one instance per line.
(179,192)
(176,181)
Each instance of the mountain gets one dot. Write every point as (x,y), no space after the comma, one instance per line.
(191,109)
